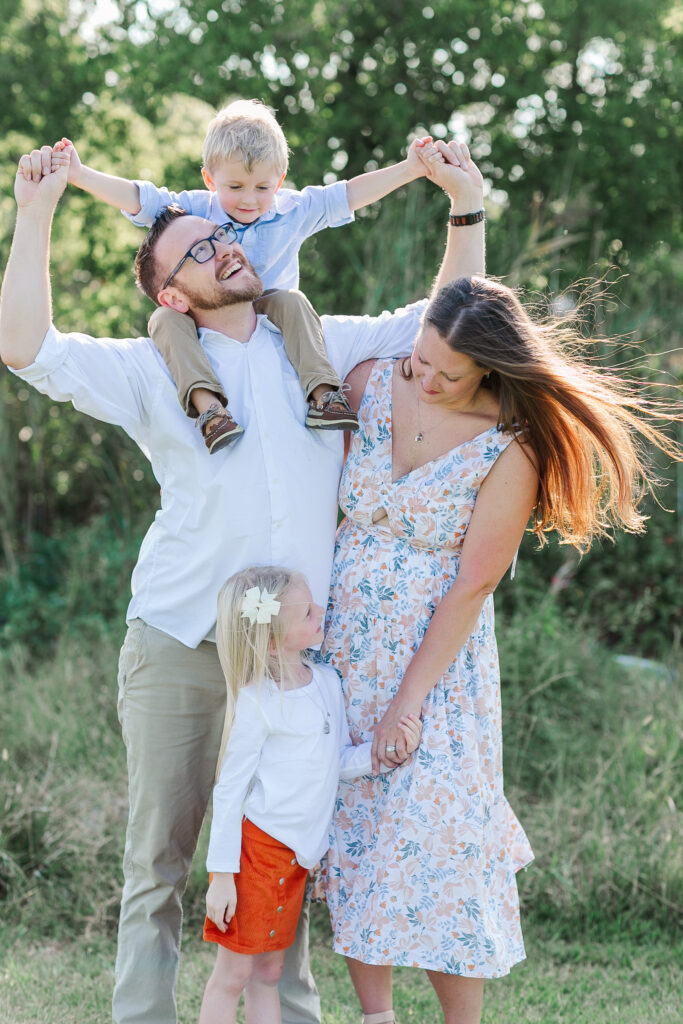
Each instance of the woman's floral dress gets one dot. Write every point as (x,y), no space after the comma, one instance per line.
(421,869)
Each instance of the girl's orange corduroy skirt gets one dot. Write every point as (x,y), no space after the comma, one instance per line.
(270,892)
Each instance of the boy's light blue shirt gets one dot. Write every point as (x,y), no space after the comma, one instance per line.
(273,241)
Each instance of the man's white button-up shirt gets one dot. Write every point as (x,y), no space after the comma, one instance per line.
(269,499)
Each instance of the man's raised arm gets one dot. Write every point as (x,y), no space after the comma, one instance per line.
(451,168)
(25,302)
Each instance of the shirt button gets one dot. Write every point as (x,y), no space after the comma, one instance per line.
(282,881)
(271,934)
(279,910)
(293,860)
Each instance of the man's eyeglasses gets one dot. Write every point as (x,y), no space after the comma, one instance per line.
(205,249)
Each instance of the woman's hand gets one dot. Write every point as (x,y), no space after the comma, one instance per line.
(450,166)
(389,746)
(221,899)
(411,727)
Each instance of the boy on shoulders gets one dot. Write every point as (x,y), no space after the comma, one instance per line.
(245,160)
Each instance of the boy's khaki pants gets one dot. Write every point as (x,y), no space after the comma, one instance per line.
(171,705)
(175,336)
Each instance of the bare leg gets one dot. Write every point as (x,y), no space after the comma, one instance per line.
(372,984)
(461,998)
(261,999)
(230,975)
(202,399)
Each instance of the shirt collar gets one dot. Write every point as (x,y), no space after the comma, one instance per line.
(210,334)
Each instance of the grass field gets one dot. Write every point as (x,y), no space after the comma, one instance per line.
(609,982)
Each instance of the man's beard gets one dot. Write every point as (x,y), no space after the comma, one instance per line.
(218,298)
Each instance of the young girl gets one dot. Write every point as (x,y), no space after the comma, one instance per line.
(286,745)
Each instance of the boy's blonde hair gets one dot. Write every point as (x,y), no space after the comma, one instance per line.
(245,130)
(249,651)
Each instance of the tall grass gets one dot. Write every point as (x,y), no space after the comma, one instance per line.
(593,768)
(592,761)
(62,786)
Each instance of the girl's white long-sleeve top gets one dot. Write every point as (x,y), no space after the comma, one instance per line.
(281,768)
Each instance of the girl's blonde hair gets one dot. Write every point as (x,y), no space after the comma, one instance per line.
(586,424)
(249,652)
(245,130)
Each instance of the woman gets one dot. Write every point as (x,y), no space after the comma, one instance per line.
(486,424)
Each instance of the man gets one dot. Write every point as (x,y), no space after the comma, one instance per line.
(270,498)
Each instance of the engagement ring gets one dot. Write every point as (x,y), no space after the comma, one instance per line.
(390,748)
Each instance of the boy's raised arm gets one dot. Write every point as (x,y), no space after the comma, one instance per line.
(372,186)
(118,192)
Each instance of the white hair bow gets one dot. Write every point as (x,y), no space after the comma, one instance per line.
(259,605)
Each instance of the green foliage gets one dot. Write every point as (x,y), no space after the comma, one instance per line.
(626,592)
(73,584)
(592,757)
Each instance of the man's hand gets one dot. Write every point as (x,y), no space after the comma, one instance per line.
(221,899)
(450,166)
(41,179)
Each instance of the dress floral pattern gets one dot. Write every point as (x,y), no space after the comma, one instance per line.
(421,869)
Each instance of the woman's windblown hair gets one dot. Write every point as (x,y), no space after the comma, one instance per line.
(588,426)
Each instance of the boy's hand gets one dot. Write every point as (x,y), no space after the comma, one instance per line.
(221,899)
(67,147)
(411,727)
(416,166)
(41,179)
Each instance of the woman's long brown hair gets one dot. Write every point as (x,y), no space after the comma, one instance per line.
(587,425)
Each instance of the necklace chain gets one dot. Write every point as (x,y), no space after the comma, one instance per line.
(420,436)
(321,707)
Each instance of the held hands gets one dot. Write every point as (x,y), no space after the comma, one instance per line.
(221,899)
(66,146)
(417,166)
(41,178)
(406,731)
(450,166)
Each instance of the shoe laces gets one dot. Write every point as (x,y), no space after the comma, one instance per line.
(208,415)
(338,395)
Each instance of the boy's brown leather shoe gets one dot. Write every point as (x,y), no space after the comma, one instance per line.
(218,428)
(332,412)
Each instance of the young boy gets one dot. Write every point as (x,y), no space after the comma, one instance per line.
(245,160)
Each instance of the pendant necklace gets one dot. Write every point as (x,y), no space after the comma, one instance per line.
(322,708)
(420,436)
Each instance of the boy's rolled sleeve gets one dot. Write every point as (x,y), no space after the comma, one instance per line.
(337,205)
(324,206)
(154,200)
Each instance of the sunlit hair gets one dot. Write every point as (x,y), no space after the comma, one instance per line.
(245,130)
(587,425)
(249,652)
(147,274)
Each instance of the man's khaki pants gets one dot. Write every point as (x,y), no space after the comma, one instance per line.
(171,705)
